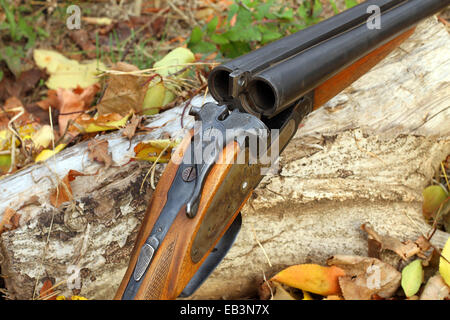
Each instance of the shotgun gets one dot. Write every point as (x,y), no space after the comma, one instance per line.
(194,215)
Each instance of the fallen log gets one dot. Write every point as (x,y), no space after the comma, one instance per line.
(365,157)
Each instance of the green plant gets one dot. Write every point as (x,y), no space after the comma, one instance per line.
(251,23)
(20,28)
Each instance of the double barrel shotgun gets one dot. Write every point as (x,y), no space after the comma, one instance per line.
(194,214)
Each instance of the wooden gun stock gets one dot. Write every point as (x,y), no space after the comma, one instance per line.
(172,267)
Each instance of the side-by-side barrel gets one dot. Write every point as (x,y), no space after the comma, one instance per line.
(235,74)
(277,87)
(269,88)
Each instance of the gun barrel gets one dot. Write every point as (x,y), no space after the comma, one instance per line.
(277,87)
(229,79)
(267,89)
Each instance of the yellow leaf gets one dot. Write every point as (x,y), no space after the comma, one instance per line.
(66,73)
(150,150)
(78,298)
(312,278)
(96,125)
(158,94)
(444,265)
(43,137)
(47,153)
(306,296)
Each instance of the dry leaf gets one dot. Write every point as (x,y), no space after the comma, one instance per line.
(10,220)
(365,277)
(98,151)
(150,150)
(50,101)
(72,103)
(435,289)
(66,73)
(404,250)
(43,137)
(130,129)
(47,153)
(47,291)
(81,38)
(312,278)
(110,121)
(124,93)
(62,193)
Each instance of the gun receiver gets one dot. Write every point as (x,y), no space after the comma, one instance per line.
(194,215)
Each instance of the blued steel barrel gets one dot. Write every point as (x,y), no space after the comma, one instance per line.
(232,76)
(277,87)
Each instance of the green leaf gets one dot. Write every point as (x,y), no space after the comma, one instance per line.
(196,36)
(433,197)
(219,39)
(1,75)
(11,20)
(212,25)
(412,277)
(13,58)
(270,36)
(203,47)
(232,10)
(350,3)
(317,9)
(235,49)
(287,14)
(247,34)
(333,5)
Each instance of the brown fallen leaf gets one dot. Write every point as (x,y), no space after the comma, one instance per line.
(404,249)
(13,106)
(265,290)
(10,220)
(365,277)
(72,103)
(46,292)
(98,151)
(124,93)
(62,193)
(19,87)
(50,101)
(81,38)
(435,289)
(130,129)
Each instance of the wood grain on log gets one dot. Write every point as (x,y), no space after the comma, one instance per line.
(365,157)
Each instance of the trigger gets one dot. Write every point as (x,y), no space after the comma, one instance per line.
(214,258)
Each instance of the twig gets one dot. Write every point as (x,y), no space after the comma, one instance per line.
(152,170)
